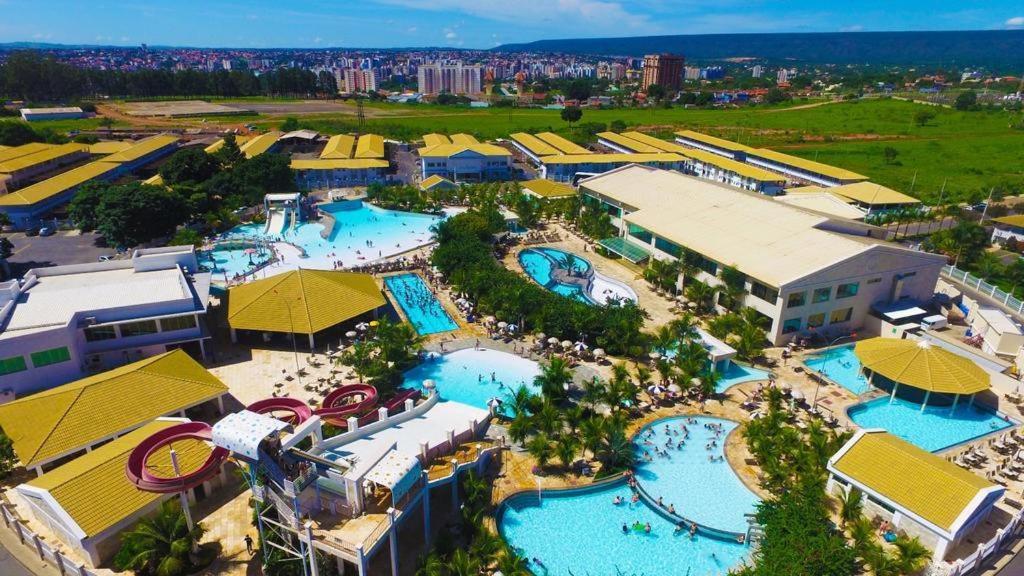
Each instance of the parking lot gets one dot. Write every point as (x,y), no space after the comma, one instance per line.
(64,247)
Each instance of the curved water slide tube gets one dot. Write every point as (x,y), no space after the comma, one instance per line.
(340,403)
(139,475)
(298,410)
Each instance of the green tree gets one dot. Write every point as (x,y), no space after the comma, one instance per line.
(776,96)
(160,545)
(6,248)
(7,456)
(850,505)
(16,133)
(571,114)
(290,124)
(540,448)
(656,92)
(890,154)
(554,376)
(923,116)
(229,154)
(132,214)
(617,126)
(966,100)
(84,204)
(579,90)
(911,555)
(190,164)
(566,447)
(186,236)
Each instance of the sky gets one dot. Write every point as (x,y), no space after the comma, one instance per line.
(466,23)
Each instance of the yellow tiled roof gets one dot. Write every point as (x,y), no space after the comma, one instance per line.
(535,145)
(735,166)
(663,145)
(302,301)
(239,140)
(142,148)
(337,164)
(804,164)
(338,146)
(436,180)
(446,150)
(370,146)
(464,139)
(154,180)
(1016,220)
(563,145)
(433,139)
(611,158)
(872,194)
(93,488)
(41,157)
(109,147)
(922,365)
(51,187)
(915,479)
(66,418)
(23,150)
(713,141)
(628,143)
(549,188)
(260,144)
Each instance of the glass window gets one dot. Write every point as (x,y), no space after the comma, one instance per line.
(668,247)
(875,280)
(791,325)
(639,233)
(847,290)
(12,365)
(797,299)
(177,323)
(97,333)
(140,328)
(822,295)
(763,292)
(840,315)
(51,356)
(816,320)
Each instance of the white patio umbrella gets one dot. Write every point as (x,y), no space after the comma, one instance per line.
(674,388)
(541,336)
(553,341)
(655,389)
(488,319)
(512,327)
(351,334)
(598,352)
(579,346)
(502,325)
(429,384)
(566,344)
(362,326)
(798,395)
(655,355)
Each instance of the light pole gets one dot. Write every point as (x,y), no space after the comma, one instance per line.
(291,324)
(824,365)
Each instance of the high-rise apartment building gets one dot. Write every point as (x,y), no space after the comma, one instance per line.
(663,69)
(757,71)
(358,80)
(691,73)
(452,78)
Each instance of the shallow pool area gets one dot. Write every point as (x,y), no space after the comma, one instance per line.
(474,376)
(840,365)
(361,234)
(936,428)
(695,477)
(580,531)
(421,307)
(570,275)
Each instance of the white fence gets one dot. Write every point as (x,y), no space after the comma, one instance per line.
(66,565)
(985,549)
(1002,298)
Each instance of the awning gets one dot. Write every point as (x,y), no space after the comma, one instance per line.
(242,432)
(398,472)
(628,250)
(922,365)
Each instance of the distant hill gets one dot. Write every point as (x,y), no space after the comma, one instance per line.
(998,49)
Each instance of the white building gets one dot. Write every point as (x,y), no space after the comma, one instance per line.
(358,80)
(805,272)
(451,78)
(1000,334)
(66,113)
(62,323)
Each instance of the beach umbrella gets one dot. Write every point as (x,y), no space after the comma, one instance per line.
(566,344)
(362,326)
(374,323)
(512,327)
(502,324)
(488,319)
(798,395)
(598,352)
(674,388)
(553,341)
(579,346)
(351,334)
(429,384)
(655,355)
(655,389)
(494,402)
(695,382)
(541,335)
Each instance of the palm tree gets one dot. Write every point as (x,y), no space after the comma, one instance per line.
(520,428)
(565,449)
(486,546)
(160,545)
(554,377)
(749,342)
(702,294)
(665,370)
(573,416)
(540,448)
(880,562)
(850,505)
(709,383)
(691,360)
(911,555)
(593,392)
(752,317)
(592,433)
(664,338)
(463,564)
(431,565)
(616,449)
(520,399)
(477,489)
(548,419)
(512,564)
(862,532)
(643,376)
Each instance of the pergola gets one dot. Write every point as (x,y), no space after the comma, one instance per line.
(921,365)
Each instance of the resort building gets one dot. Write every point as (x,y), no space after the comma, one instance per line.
(867,196)
(61,323)
(260,144)
(63,113)
(108,147)
(301,302)
(1008,228)
(1000,335)
(143,153)
(824,203)
(805,272)
(532,147)
(918,493)
(547,189)
(24,168)
(569,168)
(719,146)
(436,182)
(50,427)
(344,162)
(462,158)
(563,145)
(89,501)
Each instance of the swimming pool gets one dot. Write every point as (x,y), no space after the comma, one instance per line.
(419,304)
(466,376)
(840,365)
(937,428)
(547,265)
(362,233)
(738,374)
(705,492)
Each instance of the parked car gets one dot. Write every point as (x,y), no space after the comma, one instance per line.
(47,231)
(106,258)
(32,231)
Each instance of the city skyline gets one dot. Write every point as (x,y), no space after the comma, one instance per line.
(461,24)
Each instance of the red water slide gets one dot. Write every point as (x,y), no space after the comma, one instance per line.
(340,403)
(138,472)
(298,410)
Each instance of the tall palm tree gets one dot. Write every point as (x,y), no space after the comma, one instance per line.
(881,563)
(911,555)
(862,532)
(432,565)
(592,433)
(702,294)
(593,392)
(160,545)
(462,563)
(616,449)
(520,428)
(511,563)
(548,419)
(520,399)
(643,375)
(566,447)
(553,377)
(850,505)
(749,342)
(540,448)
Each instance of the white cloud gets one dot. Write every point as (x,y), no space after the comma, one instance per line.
(450,34)
(317,40)
(1015,22)
(41,36)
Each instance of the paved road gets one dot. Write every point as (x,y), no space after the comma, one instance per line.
(10,566)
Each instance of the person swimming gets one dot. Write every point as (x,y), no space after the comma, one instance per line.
(625,529)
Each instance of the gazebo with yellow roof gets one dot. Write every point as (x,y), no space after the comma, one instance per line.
(921,365)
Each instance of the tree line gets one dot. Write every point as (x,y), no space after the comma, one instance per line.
(30,76)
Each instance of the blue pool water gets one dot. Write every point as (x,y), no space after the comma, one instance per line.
(738,374)
(708,493)
(540,263)
(465,376)
(357,223)
(420,306)
(840,365)
(936,428)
